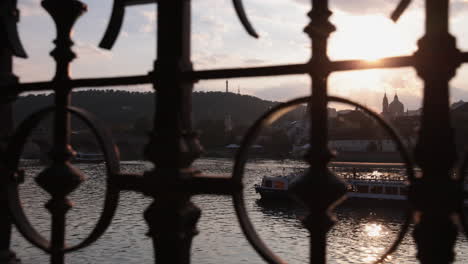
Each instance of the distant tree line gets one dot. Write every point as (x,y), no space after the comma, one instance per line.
(126,112)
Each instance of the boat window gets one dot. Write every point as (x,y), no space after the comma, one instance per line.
(278,185)
(391,190)
(376,189)
(362,188)
(268,183)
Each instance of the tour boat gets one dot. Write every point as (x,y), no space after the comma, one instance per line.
(379,190)
(275,187)
(359,188)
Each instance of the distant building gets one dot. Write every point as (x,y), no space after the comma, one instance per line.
(457,104)
(392,110)
(344,112)
(332,113)
(227,124)
(417,112)
(362,145)
(459,117)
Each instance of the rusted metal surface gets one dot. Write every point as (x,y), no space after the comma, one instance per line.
(173,145)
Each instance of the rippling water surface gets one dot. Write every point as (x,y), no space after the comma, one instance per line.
(360,235)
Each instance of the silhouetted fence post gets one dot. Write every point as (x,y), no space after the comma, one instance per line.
(173,146)
(327,188)
(6,119)
(434,196)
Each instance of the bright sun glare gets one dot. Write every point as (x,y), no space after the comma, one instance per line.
(373,230)
(369,37)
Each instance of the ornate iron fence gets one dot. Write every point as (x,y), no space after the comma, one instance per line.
(436,197)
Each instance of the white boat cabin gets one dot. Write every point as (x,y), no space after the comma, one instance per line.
(393,190)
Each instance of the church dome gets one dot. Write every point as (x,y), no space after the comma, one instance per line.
(396,108)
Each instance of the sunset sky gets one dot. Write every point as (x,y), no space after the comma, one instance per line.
(364,31)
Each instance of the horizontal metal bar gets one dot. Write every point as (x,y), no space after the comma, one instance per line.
(248,72)
(213,184)
(129,182)
(198,183)
(76,83)
(390,62)
(344,65)
(111,81)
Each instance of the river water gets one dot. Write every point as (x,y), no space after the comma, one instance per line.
(360,235)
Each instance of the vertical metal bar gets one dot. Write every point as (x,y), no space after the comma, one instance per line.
(319,31)
(61,178)
(434,194)
(6,117)
(172,148)
(319,177)
(319,154)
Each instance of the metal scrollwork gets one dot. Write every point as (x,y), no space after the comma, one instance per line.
(116,20)
(241,159)
(400,9)
(14,178)
(118,14)
(243,18)
(9,17)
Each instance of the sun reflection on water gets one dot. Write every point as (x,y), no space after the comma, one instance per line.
(373,230)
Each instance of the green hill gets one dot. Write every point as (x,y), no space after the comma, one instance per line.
(126,109)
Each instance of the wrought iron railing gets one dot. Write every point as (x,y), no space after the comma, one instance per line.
(436,197)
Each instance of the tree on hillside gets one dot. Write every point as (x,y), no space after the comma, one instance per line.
(279,145)
(211,133)
(143,125)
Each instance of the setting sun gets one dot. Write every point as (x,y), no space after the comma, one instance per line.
(369,37)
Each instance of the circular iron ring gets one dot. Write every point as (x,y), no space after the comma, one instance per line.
(111,158)
(241,159)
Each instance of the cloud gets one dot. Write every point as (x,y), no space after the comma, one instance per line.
(30,8)
(360,7)
(457,94)
(150,21)
(253,61)
(284,90)
(458,7)
(86,49)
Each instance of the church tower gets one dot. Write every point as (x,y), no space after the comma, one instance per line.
(385,104)
(396,107)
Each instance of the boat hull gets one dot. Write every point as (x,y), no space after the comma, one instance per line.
(276,196)
(374,202)
(273,194)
